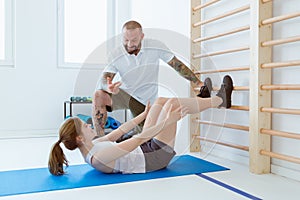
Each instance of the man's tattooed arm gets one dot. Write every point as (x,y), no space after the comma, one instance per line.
(99,120)
(184,71)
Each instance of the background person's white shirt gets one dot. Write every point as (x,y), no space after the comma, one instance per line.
(139,73)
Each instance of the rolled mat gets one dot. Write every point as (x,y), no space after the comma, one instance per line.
(87,119)
(112,123)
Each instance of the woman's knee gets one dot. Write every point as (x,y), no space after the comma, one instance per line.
(172,101)
(161,100)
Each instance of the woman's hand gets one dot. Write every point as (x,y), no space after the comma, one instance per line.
(146,111)
(113,87)
(175,115)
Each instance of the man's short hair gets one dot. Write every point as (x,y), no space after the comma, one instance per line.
(132,25)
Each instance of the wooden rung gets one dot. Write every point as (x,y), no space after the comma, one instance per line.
(244,148)
(280,18)
(244,108)
(265,1)
(221,52)
(223,70)
(239,88)
(280,64)
(280,41)
(232,126)
(280,156)
(234,88)
(205,5)
(240,29)
(280,134)
(281,111)
(281,87)
(235,11)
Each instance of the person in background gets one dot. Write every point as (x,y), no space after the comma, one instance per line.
(136,61)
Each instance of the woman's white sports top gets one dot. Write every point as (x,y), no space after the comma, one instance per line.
(133,162)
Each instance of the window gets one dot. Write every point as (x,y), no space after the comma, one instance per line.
(2,28)
(6,33)
(82,27)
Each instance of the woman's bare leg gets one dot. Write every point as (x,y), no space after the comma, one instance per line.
(168,133)
(154,112)
(193,105)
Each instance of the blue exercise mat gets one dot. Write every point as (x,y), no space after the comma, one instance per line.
(78,176)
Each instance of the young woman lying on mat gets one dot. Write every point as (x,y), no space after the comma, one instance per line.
(150,150)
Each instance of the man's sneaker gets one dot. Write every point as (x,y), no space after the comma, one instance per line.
(206,89)
(226,91)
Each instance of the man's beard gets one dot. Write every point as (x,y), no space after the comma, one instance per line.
(135,51)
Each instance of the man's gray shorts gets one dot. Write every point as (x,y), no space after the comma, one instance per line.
(123,100)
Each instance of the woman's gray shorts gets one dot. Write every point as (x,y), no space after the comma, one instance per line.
(157,154)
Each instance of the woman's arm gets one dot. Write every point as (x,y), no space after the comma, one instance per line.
(126,127)
(117,150)
(172,117)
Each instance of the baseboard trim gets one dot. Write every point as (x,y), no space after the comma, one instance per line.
(232,155)
(285,172)
(22,134)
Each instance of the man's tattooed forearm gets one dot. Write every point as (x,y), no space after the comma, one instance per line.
(100,119)
(183,70)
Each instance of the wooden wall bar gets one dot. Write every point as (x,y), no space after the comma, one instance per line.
(195,65)
(260,87)
(258,163)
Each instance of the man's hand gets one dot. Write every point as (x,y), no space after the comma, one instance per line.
(113,87)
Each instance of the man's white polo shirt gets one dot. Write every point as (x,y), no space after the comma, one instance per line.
(139,73)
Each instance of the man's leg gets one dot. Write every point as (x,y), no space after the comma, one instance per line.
(119,101)
(136,108)
(123,100)
(99,113)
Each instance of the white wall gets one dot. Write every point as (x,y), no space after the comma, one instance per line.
(240,78)
(286,99)
(32,93)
